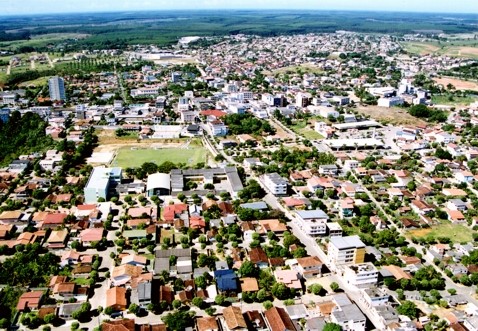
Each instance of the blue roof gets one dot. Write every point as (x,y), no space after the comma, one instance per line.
(226,280)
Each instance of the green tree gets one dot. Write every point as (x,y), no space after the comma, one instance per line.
(198,302)
(178,320)
(332,327)
(219,299)
(408,308)
(248,269)
(334,286)
(133,309)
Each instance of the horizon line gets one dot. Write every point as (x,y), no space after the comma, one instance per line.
(234,9)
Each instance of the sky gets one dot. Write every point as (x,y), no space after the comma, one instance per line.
(12,7)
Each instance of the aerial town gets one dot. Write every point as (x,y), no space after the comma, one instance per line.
(304,182)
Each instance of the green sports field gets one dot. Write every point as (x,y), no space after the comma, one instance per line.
(127,157)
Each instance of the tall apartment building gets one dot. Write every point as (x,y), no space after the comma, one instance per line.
(56,86)
(346,250)
(275,183)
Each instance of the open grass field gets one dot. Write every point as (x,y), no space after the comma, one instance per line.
(456,232)
(306,130)
(127,157)
(454,101)
(36,82)
(420,48)
(394,115)
(455,48)
(41,40)
(306,68)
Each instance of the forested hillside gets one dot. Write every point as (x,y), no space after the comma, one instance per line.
(22,135)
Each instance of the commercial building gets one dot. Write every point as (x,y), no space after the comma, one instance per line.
(158,184)
(100,182)
(56,86)
(215,175)
(346,250)
(275,183)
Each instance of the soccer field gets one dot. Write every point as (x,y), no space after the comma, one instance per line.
(127,157)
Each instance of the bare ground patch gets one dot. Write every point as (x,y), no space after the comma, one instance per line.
(389,115)
(458,83)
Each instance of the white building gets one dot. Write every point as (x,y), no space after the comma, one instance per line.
(361,275)
(390,102)
(312,222)
(346,250)
(275,183)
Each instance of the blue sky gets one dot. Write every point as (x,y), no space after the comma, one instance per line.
(12,7)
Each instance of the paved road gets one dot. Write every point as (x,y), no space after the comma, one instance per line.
(314,249)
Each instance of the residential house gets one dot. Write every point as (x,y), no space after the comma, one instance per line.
(57,239)
(233,320)
(91,235)
(116,298)
(125,273)
(226,280)
(29,301)
(310,266)
(289,277)
(258,257)
(208,323)
(278,319)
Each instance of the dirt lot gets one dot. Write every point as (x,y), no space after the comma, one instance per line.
(389,115)
(458,83)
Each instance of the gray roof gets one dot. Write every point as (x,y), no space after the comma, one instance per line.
(144,291)
(296,311)
(315,324)
(349,313)
(259,205)
(67,309)
(178,252)
(312,214)
(347,242)
(161,264)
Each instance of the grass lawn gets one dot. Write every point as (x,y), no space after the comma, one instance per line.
(81,281)
(445,100)
(301,128)
(456,232)
(127,157)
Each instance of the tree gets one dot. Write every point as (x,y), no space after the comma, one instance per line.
(176,304)
(332,327)
(134,309)
(198,302)
(248,269)
(315,289)
(334,286)
(49,318)
(268,305)
(408,308)
(201,282)
(210,311)
(220,299)
(281,291)
(178,320)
